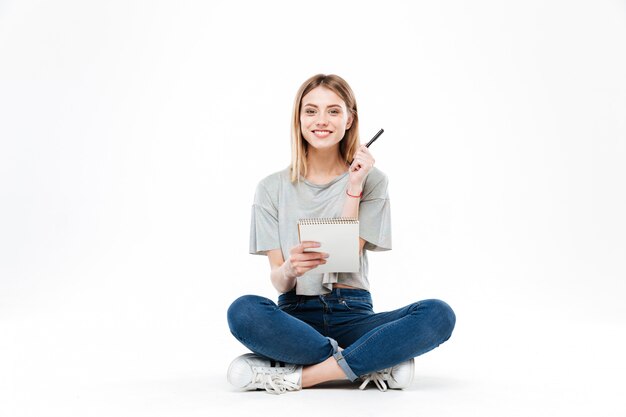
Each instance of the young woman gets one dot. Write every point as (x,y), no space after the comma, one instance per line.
(324,327)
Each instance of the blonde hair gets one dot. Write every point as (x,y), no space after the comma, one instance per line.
(299,146)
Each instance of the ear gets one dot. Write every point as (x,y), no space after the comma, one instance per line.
(350,120)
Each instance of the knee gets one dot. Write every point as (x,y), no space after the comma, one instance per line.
(243,311)
(441,316)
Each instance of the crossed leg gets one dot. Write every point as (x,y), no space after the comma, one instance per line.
(376,341)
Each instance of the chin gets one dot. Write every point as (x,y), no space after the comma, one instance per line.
(323,143)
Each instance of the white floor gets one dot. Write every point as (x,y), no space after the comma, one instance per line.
(55,361)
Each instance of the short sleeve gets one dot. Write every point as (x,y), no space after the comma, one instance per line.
(264,223)
(375,215)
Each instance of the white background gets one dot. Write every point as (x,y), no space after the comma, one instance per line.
(133,134)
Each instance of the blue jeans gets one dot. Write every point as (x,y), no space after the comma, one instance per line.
(306,330)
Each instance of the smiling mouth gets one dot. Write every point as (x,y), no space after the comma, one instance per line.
(322,133)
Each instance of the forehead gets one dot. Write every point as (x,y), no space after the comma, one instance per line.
(321,96)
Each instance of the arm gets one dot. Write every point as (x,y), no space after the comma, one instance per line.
(351,209)
(361,165)
(279,279)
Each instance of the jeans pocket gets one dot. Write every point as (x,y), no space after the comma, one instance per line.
(357,304)
(289,306)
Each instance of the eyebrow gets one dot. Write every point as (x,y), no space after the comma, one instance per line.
(313,105)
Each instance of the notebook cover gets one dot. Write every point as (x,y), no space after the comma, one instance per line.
(339,240)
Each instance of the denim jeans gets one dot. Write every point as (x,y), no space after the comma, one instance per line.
(306,330)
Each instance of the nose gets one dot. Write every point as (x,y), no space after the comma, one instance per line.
(321,119)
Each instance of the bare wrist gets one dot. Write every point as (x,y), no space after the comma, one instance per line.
(354,191)
(289,273)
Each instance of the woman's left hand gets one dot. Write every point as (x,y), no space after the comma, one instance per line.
(362,163)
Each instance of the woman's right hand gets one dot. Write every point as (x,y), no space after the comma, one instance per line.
(300,262)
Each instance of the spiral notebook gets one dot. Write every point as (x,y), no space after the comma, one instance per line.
(339,237)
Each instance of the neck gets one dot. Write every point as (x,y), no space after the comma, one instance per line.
(325,162)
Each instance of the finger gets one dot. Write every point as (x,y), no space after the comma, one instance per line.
(309,256)
(311,264)
(305,245)
(304,268)
(366,163)
(363,157)
(363,148)
(363,154)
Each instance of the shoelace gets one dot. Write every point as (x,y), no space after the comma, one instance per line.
(378,378)
(274,383)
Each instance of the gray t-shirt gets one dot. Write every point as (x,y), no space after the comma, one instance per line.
(279,204)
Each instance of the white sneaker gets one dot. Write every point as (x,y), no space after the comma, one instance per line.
(396,377)
(250,372)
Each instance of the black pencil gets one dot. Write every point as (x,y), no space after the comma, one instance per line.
(380,132)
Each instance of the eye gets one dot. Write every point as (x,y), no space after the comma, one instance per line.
(309,111)
(334,112)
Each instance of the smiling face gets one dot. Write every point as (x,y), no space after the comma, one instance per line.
(324,118)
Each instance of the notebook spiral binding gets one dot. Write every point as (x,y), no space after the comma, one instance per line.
(335,220)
